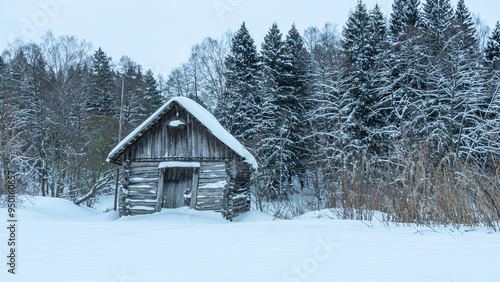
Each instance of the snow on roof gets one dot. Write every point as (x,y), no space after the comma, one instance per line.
(178,164)
(203,116)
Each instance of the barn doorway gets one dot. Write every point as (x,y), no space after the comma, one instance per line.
(177,183)
(179,179)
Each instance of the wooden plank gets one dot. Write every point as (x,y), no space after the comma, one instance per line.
(209,207)
(145,174)
(140,212)
(194,189)
(141,203)
(143,190)
(144,169)
(152,164)
(141,196)
(142,179)
(203,181)
(211,193)
(213,174)
(159,191)
(208,201)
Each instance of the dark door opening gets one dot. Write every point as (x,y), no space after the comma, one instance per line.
(177,181)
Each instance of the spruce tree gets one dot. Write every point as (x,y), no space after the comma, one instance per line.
(152,94)
(491,105)
(358,45)
(377,77)
(464,25)
(405,16)
(438,16)
(278,117)
(404,72)
(492,50)
(298,81)
(102,89)
(240,107)
(356,38)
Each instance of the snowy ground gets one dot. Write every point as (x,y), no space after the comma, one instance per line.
(58,241)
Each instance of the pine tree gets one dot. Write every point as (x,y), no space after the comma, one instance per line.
(240,109)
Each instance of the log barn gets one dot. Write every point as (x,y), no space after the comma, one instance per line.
(182,156)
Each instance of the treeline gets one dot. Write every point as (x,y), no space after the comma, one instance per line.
(59,107)
(399,115)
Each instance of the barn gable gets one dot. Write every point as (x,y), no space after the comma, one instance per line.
(182,156)
(183,118)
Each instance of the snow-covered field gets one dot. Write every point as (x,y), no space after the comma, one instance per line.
(58,241)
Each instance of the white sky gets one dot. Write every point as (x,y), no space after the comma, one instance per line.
(159,34)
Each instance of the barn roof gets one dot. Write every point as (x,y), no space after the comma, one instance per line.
(198,112)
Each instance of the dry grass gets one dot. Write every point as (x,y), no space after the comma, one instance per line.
(414,188)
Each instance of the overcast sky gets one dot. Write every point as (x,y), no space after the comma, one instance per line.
(159,34)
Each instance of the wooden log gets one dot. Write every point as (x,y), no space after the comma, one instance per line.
(213,174)
(211,195)
(150,183)
(143,179)
(212,166)
(139,196)
(239,206)
(143,169)
(142,191)
(140,212)
(140,186)
(144,164)
(203,181)
(144,175)
(194,189)
(240,201)
(209,206)
(201,189)
(140,205)
(141,202)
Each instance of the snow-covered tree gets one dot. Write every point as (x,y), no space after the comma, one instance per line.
(364,40)
(405,16)
(103,90)
(152,94)
(240,106)
(437,20)
(464,24)
(297,80)
(330,103)
(492,51)
(403,74)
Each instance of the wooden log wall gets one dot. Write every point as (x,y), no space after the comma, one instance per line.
(139,189)
(212,186)
(238,198)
